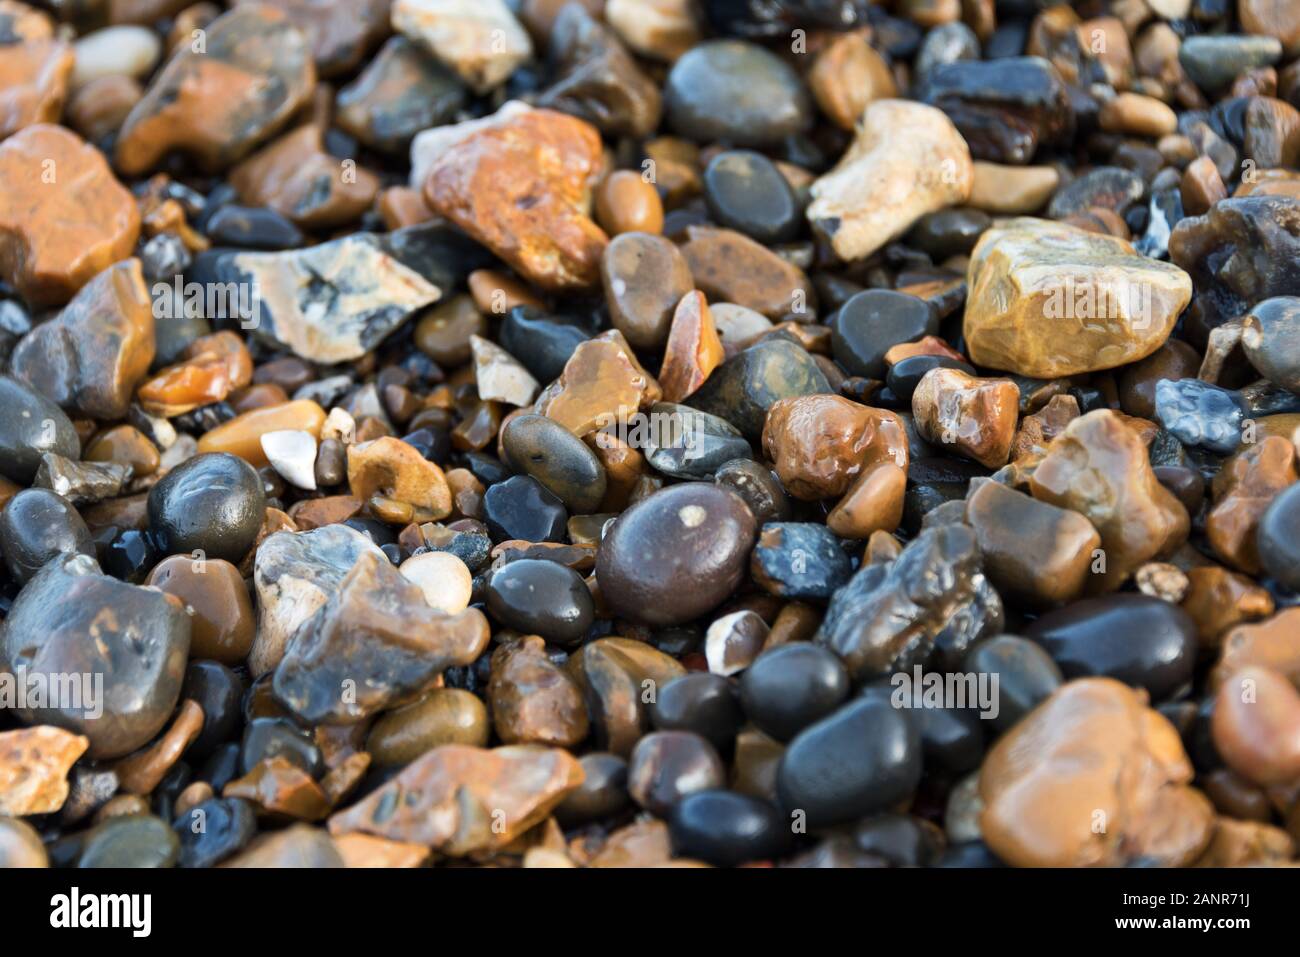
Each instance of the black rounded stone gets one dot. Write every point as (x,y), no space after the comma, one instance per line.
(543,343)
(725,828)
(556,458)
(1026,674)
(1139,640)
(521,508)
(279,738)
(130,556)
(701,702)
(30,426)
(665,766)
(1278,538)
(252,227)
(903,841)
(872,323)
(746,192)
(862,759)
(948,232)
(213,830)
(952,738)
(540,597)
(36,526)
(213,504)
(219,692)
(222,766)
(675,555)
(792,686)
(602,793)
(755,483)
(736,92)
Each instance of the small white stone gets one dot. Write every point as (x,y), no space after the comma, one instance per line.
(499,375)
(733,642)
(292,453)
(738,324)
(115,51)
(340,426)
(479,39)
(445,580)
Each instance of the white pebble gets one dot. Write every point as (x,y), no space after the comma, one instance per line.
(444,579)
(292,453)
(115,51)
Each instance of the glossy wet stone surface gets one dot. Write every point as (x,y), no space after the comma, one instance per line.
(542,598)
(734,91)
(212,505)
(799,560)
(36,526)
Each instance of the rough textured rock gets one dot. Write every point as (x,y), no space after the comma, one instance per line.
(254,72)
(821,443)
(458,800)
(520,183)
(906,160)
(973,417)
(90,358)
(295,574)
(534,701)
(602,384)
(327,303)
(479,39)
(1047,300)
(1092,777)
(396,470)
(374,641)
(55,236)
(34,765)
(340,34)
(1099,468)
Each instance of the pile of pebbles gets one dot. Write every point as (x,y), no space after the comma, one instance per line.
(649,432)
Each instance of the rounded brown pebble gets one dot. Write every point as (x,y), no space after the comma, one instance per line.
(222,622)
(443,333)
(20,845)
(1256,726)
(668,765)
(626,203)
(677,554)
(645,277)
(533,700)
(442,716)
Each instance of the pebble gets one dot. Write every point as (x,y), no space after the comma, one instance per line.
(627,203)
(534,701)
(1212,62)
(1270,335)
(733,642)
(440,716)
(645,277)
(874,321)
(973,417)
(1255,715)
(54,241)
(61,623)
(499,376)
(792,686)
(693,349)
(1104,188)
(520,508)
(1142,641)
(727,829)
(222,620)
(1022,317)
(114,51)
(1276,537)
(135,841)
(218,691)
(298,846)
(1201,414)
(666,766)
(657,29)
(20,845)
(1033,552)
(214,830)
(862,758)
(746,192)
(602,384)
(399,93)
(1027,675)
(890,617)
(30,427)
(295,574)
(292,453)
(735,91)
(395,470)
(907,160)
(217,105)
(848,74)
(614,674)
(702,702)
(730,266)
(378,633)
(482,42)
(690,444)
(443,578)
(34,766)
(523,783)
(213,504)
(872,503)
(820,443)
(1272,19)
(1099,468)
(760,490)
(538,597)
(1137,382)
(478,179)
(36,526)
(675,555)
(1243,491)
(1093,748)
(81,483)
(1012,190)
(543,343)
(802,560)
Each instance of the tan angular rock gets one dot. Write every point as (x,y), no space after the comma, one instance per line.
(602,384)
(255,69)
(1243,490)
(458,799)
(906,160)
(34,764)
(393,469)
(279,789)
(973,417)
(480,39)
(658,29)
(1272,644)
(1099,468)
(33,83)
(1092,777)
(90,358)
(1046,300)
(366,850)
(521,184)
(64,217)
(296,176)
(693,351)
(501,377)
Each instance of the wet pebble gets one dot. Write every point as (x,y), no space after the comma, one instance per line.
(799,560)
(213,504)
(1278,538)
(873,322)
(30,426)
(213,830)
(521,508)
(726,829)
(540,597)
(701,702)
(746,192)
(735,91)
(791,687)
(36,526)
(1201,414)
(665,766)
(555,457)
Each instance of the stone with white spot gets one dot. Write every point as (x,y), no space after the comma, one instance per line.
(734,641)
(115,51)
